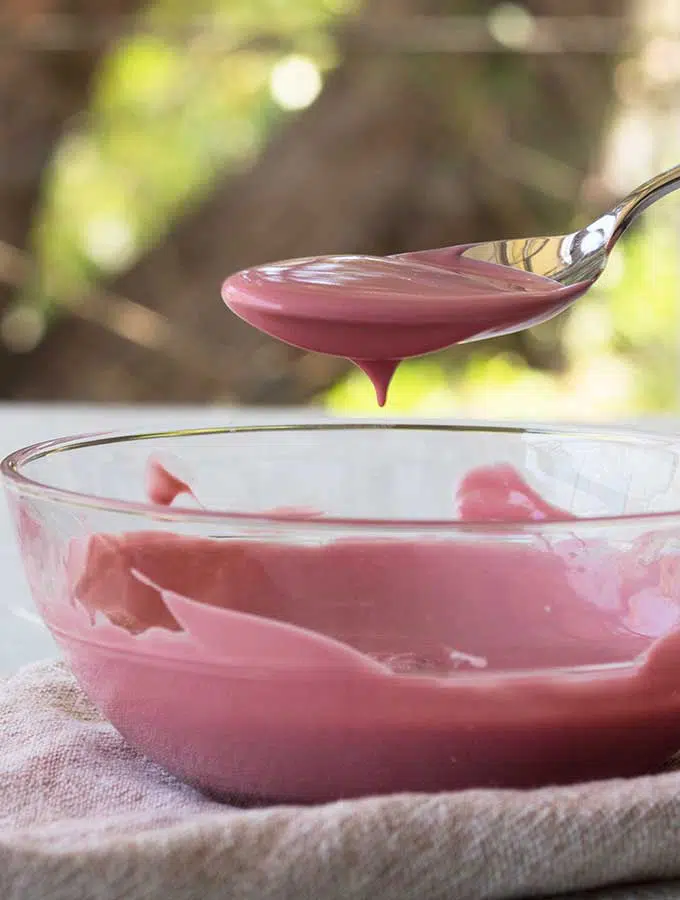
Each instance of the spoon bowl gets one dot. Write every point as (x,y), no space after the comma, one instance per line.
(377,311)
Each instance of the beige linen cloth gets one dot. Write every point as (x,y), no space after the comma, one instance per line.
(83,816)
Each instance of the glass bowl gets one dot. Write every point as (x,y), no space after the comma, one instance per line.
(342,610)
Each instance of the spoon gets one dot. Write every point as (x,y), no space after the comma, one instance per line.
(377,311)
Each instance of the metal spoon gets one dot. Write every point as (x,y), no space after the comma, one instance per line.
(377,311)
(582,255)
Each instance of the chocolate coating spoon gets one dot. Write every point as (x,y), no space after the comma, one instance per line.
(377,311)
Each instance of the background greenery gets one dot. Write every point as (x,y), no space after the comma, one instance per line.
(188,98)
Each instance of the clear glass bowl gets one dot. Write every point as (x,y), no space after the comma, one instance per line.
(330,618)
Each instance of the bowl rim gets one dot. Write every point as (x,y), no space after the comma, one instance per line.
(15,479)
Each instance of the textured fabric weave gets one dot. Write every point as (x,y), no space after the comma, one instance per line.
(82,815)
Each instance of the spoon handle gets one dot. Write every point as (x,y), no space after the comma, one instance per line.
(640,199)
(579,257)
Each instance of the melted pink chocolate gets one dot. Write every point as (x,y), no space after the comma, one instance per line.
(378,311)
(311,670)
(162,487)
(463,643)
(498,494)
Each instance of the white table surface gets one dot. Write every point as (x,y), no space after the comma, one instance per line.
(23,638)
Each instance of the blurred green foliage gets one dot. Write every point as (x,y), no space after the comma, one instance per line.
(186,101)
(175,110)
(621,340)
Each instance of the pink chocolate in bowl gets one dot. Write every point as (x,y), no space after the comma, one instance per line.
(474,607)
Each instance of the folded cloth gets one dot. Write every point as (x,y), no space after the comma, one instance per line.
(83,815)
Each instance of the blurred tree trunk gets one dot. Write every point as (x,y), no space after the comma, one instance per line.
(42,87)
(402,150)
